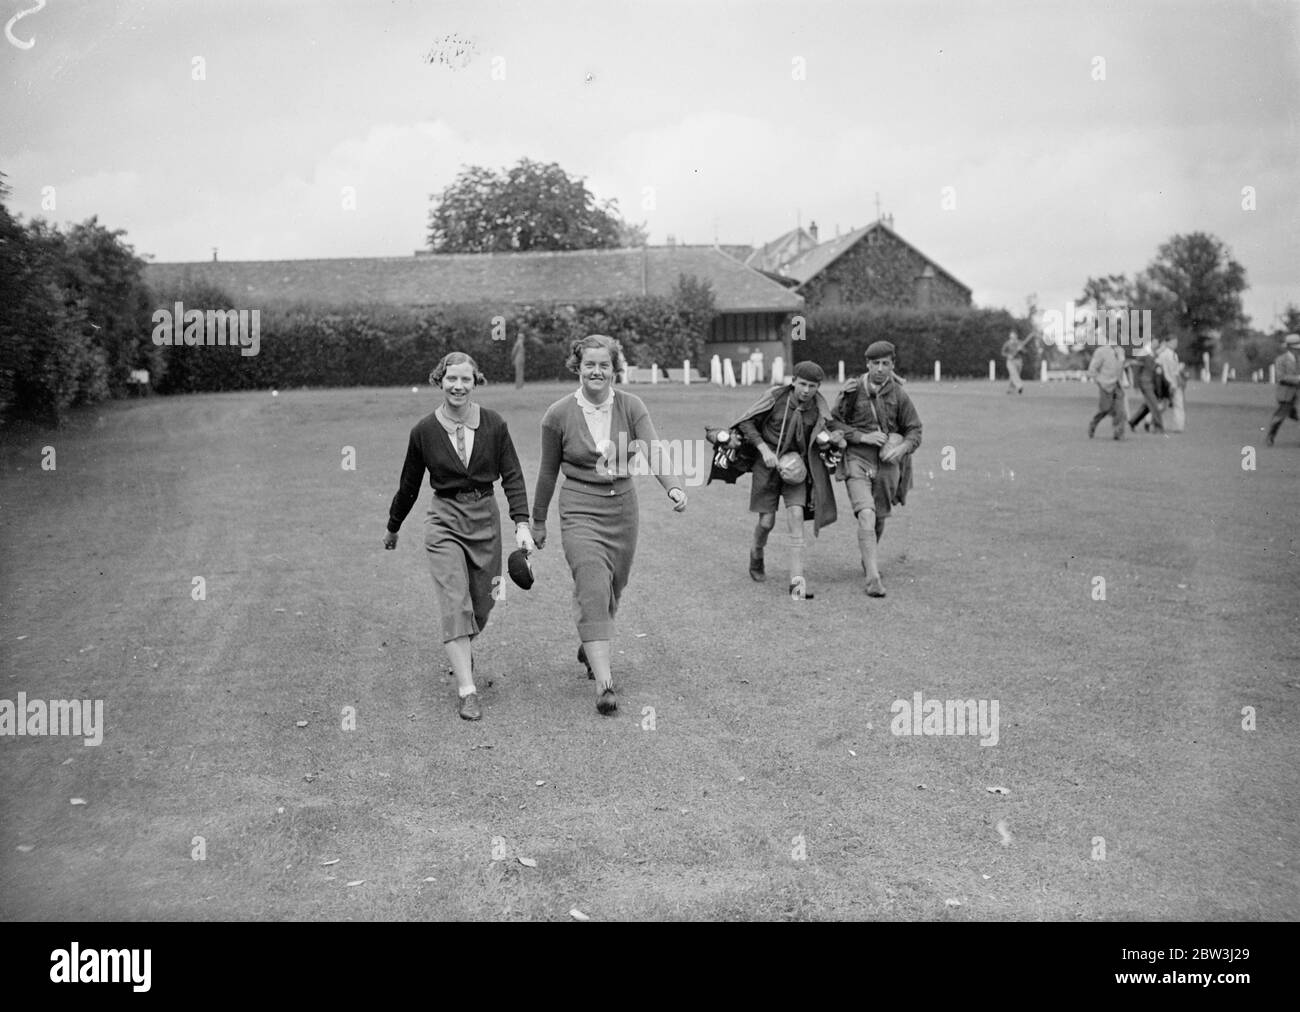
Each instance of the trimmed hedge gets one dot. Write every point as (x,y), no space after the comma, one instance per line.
(388,346)
(962,340)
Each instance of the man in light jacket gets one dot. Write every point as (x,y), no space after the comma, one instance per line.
(1107,370)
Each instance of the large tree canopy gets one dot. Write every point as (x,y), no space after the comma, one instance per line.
(1193,288)
(531,206)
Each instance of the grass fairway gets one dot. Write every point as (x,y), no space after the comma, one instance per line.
(771,786)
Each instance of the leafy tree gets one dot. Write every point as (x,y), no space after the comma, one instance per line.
(532,206)
(1290,321)
(1114,291)
(633,236)
(105,272)
(696,308)
(48,359)
(76,315)
(1196,283)
(1192,287)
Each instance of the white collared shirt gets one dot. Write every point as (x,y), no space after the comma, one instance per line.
(598,417)
(470,422)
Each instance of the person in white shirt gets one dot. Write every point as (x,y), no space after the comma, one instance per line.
(1169,366)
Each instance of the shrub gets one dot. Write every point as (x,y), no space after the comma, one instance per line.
(961,340)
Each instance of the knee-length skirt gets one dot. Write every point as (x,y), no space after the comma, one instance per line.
(599,534)
(463,544)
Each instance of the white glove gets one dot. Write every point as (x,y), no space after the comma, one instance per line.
(524,538)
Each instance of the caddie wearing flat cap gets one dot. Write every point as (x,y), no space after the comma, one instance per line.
(784,427)
(1287,372)
(882,429)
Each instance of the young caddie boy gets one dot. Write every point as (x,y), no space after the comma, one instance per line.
(882,429)
(784,427)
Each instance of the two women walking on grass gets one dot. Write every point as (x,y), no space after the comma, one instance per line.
(598,505)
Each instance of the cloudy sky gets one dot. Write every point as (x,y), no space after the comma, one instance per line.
(1023,146)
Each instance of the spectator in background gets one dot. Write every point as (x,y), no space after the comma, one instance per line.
(1143,365)
(1169,384)
(1107,370)
(1011,350)
(518,356)
(1287,369)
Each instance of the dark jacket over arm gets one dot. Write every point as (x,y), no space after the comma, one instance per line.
(822,501)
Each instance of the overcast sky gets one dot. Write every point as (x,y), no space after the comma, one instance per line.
(701,119)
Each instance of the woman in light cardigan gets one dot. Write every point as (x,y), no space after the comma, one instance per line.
(590,436)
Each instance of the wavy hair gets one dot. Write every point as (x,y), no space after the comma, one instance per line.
(582,344)
(456,358)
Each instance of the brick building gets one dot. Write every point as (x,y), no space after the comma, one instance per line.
(873,266)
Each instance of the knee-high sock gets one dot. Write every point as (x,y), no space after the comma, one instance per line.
(867,546)
(794,518)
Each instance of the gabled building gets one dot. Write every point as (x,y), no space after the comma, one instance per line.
(773,257)
(873,266)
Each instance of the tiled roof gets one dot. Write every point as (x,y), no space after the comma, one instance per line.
(736,252)
(774,255)
(580,276)
(817,259)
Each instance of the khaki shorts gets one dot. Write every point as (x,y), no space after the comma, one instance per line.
(768,490)
(871,485)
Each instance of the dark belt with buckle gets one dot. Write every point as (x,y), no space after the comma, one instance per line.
(464,495)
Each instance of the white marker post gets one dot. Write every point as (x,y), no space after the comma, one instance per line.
(728,374)
(1224,378)
(1042,371)
(841,371)
(936,370)
(993,370)
(686,371)
(1272,374)
(715,370)
(654,373)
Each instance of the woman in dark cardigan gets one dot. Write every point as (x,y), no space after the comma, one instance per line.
(464,448)
(589,435)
